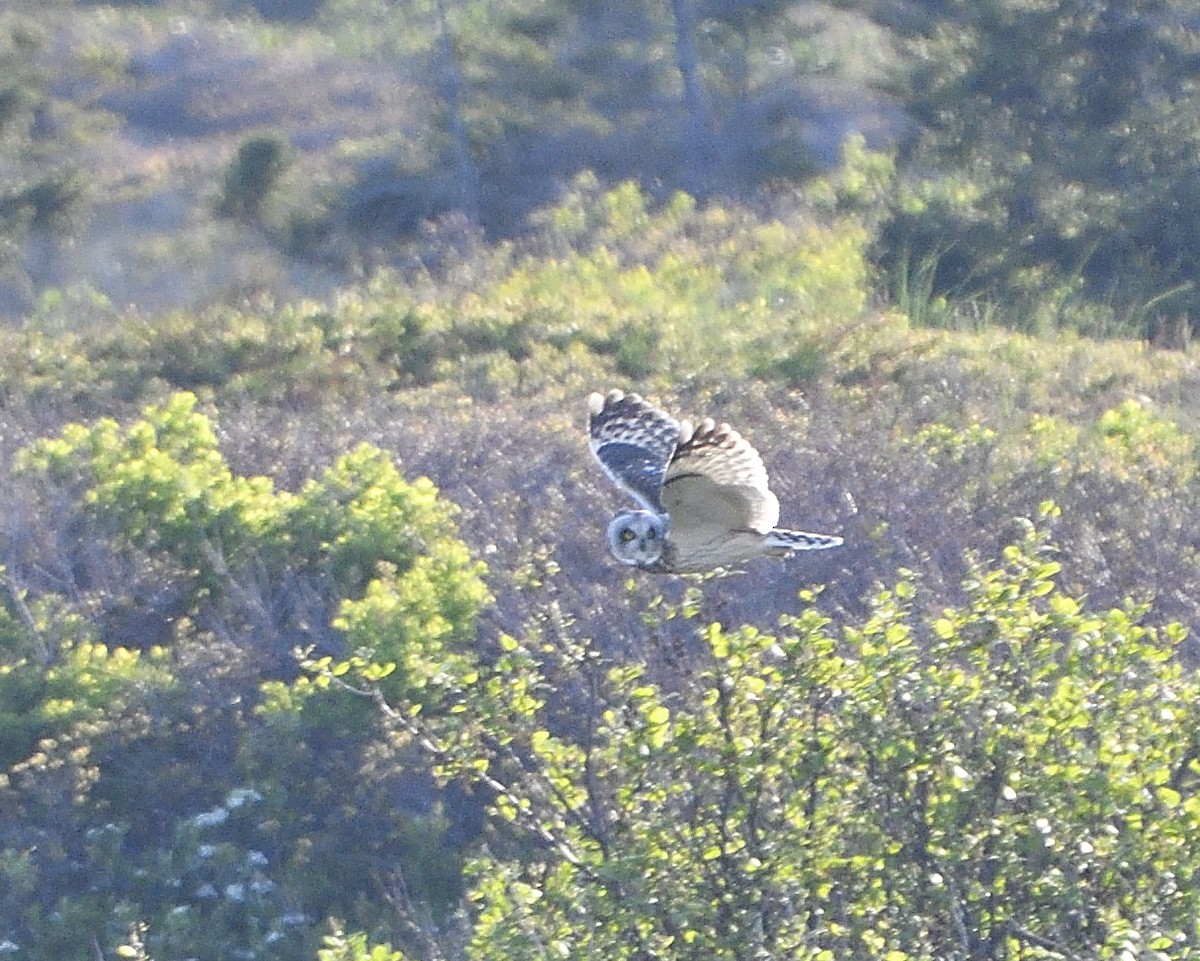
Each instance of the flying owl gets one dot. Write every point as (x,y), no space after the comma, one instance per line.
(703,490)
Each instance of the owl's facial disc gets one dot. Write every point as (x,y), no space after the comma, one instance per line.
(636,538)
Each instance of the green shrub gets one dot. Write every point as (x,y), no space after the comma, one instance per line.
(54,202)
(355,947)
(1079,164)
(41,702)
(160,485)
(252,175)
(104,749)
(1014,774)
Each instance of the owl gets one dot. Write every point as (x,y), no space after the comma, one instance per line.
(703,490)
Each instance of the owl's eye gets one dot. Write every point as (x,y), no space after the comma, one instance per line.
(627,535)
(651,534)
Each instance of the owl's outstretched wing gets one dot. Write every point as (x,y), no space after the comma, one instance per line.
(716,480)
(633,441)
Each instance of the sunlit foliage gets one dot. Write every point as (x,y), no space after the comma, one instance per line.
(239,850)
(1015,773)
(259,695)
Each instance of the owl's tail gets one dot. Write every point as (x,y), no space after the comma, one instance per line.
(784,542)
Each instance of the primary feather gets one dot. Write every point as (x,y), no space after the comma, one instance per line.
(633,441)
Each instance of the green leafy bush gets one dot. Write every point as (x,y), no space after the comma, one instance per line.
(1014,774)
(340,946)
(160,485)
(98,744)
(1073,128)
(252,175)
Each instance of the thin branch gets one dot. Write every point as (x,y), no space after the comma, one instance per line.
(1184,767)
(528,819)
(1026,936)
(486,777)
(958,913)
(16,597)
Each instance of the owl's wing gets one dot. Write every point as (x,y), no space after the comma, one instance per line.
(633,441)
(716,479)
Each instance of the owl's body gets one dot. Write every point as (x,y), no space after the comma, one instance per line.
(703,490)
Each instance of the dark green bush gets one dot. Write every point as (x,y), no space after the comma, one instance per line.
(252,175)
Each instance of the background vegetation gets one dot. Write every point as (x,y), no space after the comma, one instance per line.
(309,646)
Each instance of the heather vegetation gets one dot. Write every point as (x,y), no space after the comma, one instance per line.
(310,646)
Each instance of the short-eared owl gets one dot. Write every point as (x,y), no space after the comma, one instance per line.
(703,489)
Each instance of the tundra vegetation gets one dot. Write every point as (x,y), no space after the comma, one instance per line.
(310,646)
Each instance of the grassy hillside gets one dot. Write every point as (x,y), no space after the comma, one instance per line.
(163,562)
(920,444)
(307,625)
(122,129)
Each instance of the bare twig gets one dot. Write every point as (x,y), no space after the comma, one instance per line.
(1026,936)
(16,597)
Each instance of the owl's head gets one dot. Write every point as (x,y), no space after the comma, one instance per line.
(637,537)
